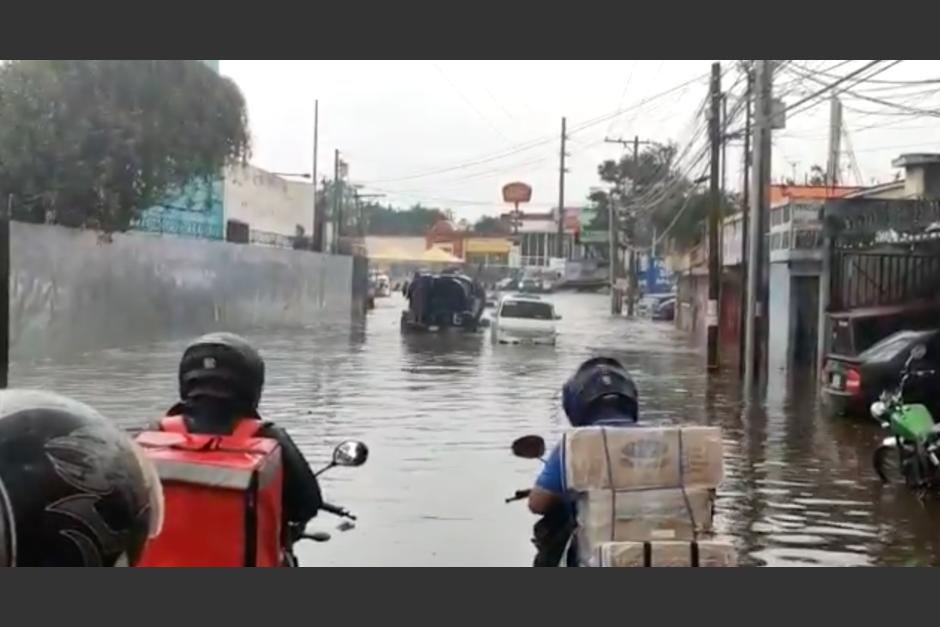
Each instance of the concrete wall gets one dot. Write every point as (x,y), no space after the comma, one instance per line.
(70,293)
(779,332)
(268,203)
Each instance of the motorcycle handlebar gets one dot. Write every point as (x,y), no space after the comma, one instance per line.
(519,495)
(337,511)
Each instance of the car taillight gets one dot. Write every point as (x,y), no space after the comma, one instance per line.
(853,381)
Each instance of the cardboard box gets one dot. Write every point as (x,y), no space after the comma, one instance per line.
(620,555)
(606,516)
(712,553)
(643,457)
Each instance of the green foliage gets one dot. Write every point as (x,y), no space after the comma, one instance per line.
(817,175)
(489,225)
(654,192)
(387,220)
(91,143)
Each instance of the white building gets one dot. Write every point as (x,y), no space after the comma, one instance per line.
(274,208)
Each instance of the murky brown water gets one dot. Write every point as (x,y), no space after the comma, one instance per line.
(439,415)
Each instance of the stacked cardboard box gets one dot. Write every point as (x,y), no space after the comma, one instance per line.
(703,554)
(649,489)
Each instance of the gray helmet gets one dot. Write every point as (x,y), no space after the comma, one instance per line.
(74,489)
(222,365)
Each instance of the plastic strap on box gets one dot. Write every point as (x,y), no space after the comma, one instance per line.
(685,496)
(610,485)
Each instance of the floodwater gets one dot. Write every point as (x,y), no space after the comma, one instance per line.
(439,414)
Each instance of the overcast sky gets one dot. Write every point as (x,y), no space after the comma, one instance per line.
(399,123)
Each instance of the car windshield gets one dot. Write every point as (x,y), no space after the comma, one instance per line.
(527,309)
(893,345)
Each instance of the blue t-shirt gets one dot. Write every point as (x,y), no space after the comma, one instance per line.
(552,477)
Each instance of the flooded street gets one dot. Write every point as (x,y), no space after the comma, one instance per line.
(439,415)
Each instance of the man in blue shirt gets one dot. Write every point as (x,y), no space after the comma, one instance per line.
(600,393)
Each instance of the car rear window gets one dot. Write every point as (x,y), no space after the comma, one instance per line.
(524,309)
(893,345)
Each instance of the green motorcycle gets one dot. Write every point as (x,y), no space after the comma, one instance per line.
(914,437)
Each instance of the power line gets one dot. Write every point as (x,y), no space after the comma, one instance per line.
(535,143)
(830,86)
(927,81)
(469,103)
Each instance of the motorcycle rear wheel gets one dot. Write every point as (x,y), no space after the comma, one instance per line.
(888,466)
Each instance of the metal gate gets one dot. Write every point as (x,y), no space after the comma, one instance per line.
(870,279)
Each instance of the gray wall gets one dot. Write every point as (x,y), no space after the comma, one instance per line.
(72,293)
(780,321)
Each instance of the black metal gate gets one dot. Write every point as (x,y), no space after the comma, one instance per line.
(871,279)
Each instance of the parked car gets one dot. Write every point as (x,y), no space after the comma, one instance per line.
(852,384)
(507,285)
(648,305)
(666,310)
(525,320)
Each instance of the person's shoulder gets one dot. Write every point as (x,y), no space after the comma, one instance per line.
(270,429)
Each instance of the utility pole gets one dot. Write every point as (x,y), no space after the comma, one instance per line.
(363,226)
(560,245)
(337,204)
(745,210)
(317,234)
(616,303)
(5,217)
(835,137)
(714,218)
(631,282)
(759,205)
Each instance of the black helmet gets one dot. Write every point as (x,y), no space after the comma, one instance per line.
(222,365)
(600,379)
(74,489)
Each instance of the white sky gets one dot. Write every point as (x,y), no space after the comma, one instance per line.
(394,119)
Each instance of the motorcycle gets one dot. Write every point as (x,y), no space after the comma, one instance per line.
(914,436)
(350,454)
(551,534)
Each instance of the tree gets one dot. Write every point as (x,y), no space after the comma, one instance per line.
(817,175)
(655,196)
(414,221)
(489,225)
(92,143)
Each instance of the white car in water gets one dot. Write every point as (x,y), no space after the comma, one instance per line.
(522,319)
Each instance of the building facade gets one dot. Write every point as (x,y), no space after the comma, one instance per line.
(197,210)
(276,209)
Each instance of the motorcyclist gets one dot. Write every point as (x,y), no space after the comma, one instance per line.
(600,393)
(221,377)
(74,489)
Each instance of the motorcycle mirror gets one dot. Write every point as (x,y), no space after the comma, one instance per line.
(350,453)
(529,447)
(918,352)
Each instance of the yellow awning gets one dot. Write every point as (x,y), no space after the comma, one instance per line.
(487,245)
(436,255)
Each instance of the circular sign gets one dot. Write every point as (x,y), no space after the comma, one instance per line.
(517,192)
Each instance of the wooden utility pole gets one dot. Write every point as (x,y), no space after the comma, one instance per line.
(631,254)
(745,210)
(759,205)
(337,204)
(616,303)
(560,244)
(5,216)
(714,218)
(317,234)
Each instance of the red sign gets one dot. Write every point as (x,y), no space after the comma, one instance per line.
(517,192)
